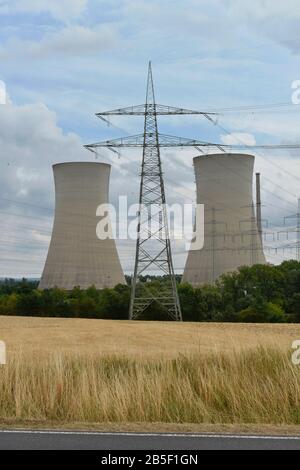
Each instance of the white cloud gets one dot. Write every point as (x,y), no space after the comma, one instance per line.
(64,10)
(237,138)
(266,9)
(275,19)
(31,142)
(219,21)
(281,127)
(68,42)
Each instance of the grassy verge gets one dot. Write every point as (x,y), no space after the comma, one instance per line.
(259,387)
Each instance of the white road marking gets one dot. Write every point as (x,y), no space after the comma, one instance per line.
(195,436)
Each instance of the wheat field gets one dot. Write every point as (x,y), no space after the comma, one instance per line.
(109,372)
(146,339)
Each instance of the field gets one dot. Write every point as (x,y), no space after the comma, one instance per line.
(87,373)
(145,339)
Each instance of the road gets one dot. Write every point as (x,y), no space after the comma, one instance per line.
(68,440)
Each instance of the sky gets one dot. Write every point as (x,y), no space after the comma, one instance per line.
(64,60)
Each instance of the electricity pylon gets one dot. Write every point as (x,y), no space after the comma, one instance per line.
(153,242)
(153,247)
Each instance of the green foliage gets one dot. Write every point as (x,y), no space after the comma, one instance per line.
(293,305)
(24,299)
(262,312)
(114,303)
(261,293)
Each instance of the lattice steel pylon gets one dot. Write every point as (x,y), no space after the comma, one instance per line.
(153,247)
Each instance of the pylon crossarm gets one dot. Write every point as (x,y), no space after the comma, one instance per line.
(138,141)
(136,110)
(167,141)
(158,109)
(166,110)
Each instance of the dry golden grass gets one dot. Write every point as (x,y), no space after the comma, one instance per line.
(189,376)
(44,335)
(259,386)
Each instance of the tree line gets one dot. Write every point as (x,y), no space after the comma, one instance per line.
(261,293)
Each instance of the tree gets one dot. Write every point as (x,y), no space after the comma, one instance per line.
(114,303)
(188,302)
(262,312)
(294,305)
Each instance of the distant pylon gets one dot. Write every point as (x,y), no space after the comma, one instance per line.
(258,205)
(297,217)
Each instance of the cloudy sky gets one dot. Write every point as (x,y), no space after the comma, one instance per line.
(64,60)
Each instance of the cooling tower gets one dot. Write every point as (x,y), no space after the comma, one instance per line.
(76,256)
(231,236)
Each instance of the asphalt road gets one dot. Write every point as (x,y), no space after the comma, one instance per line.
(65,440)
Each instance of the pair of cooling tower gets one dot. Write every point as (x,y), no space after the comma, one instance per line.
(232,238)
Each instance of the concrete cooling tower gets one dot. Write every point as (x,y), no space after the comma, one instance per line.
(77,257)
(231,235)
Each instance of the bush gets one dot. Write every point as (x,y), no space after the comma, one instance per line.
(269,313)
